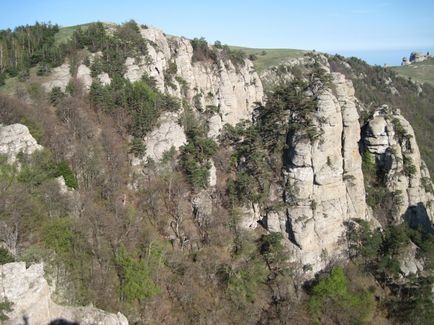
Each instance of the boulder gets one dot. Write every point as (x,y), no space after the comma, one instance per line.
(16,138)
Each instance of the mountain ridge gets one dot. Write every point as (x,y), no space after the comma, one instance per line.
(194,187)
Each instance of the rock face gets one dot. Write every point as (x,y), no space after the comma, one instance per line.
(83,74)
(233,89)
(169,133)
(324,178)
(409,263)
(16,138)
(227,92)
(391,139)
(59,77)
(326,181)
(30,296)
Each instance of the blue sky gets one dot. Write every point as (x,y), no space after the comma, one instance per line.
(370,26)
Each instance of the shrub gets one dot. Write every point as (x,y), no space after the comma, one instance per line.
(5,256)
(56,95)
(196,153)
(331,300)
(137,147)
(135,278)
(5,307)
(58,235)
(63,169)
(201,51)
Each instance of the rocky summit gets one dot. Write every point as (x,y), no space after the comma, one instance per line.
(147,178)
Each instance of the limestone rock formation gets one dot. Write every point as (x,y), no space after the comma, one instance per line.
(16,138)
(59,77)
(233,89)
(83,74)
(326,180)
(228,92)
(30,296)
(391,139)
(169,133)
(409,262)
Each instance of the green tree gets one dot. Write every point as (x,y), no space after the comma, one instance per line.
(330,300)
(135,278)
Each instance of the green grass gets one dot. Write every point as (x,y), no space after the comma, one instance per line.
(9,87)
(270,57)
(65,33)
(422,71)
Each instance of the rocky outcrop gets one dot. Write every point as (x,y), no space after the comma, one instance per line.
(409,262)
(227,93)
(30,295)
(84,75)
(16,138)
(59,77)
(233,89)
(391,139)
(325,181)
(167,135)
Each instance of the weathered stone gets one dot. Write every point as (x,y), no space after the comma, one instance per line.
(396,154)
(83,74)
(326,181)
(104,78)
(202,207)
(250,215)
(409,263)
(59,77)
(169,133)
(16,138)
(212,174)
(30,296)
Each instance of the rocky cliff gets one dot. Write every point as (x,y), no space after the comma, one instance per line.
(325,175)
(327,178)
(239,214)
(226,91)
(325,186)
(28,292)
(391,139)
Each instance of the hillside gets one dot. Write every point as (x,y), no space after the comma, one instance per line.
(65,33)
(168,180)
(266,58)
(421,71)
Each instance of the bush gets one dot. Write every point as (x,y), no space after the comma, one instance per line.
(331,301)
(196,153)
(58,235)
(137,147)
(56,95)
(5,256)
(201,51)
(135,278)
(63,169)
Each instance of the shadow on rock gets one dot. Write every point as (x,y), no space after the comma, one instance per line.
(61,321)
(417,216)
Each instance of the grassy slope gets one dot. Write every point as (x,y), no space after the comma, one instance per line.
(422,71)
(65,33)
(272,56)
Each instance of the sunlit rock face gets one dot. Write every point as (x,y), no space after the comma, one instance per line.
(16,138)
(390,138)
(29,293)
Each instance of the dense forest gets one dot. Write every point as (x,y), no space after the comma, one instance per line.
(108,242)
